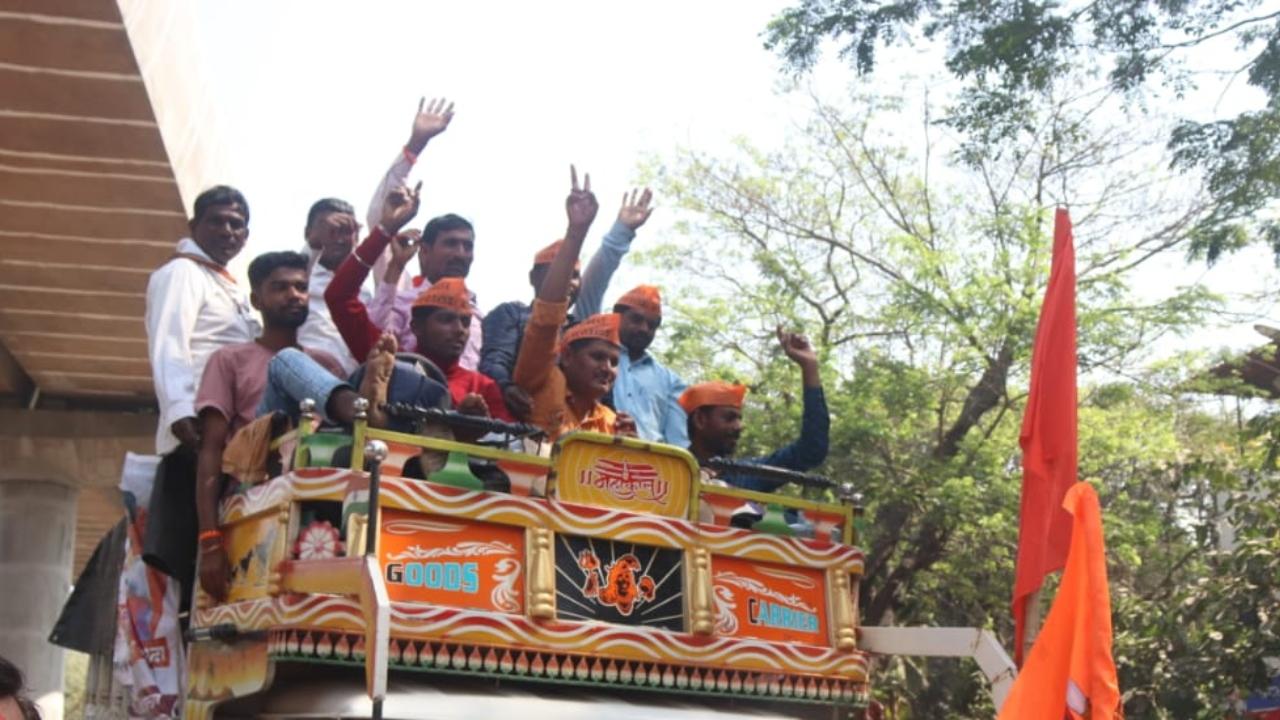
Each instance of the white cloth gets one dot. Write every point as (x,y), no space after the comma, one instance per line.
(192,310)
(319,332)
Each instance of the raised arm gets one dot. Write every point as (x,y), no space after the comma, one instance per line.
(343,294)
(430,120)
(635,211)
(581,207)
(810,449)
(538,348)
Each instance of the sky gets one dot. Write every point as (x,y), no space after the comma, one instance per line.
(316,99)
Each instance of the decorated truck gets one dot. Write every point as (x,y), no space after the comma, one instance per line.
(405,575)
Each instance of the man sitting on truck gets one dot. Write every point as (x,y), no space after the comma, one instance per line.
(715,421)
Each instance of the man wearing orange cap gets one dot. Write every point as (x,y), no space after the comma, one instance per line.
(504,326)
(715,420)
(646,389)
(441,317)
(566,393)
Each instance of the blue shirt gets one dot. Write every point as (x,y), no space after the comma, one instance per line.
(649,392)
(503,328)
(807,452)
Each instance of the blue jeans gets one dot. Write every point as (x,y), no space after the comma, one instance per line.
(292,376)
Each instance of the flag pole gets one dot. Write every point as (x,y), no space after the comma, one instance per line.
(1035,609)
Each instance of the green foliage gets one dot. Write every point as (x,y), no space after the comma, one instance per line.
(1009,53)
(922,296)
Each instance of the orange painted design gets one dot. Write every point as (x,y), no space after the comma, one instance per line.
(769,601)
(618,476)
(617,584)
(452,562)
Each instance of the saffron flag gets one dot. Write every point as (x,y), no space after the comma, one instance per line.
(1048,435)
(1069,671)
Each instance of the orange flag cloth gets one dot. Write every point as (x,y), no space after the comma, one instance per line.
(1069,671)
(1048,435)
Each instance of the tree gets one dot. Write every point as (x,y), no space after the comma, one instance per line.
(921,285)
(1009,53)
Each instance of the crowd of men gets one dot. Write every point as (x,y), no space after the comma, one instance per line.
(224,356)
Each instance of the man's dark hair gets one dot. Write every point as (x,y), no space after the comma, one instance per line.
(12,685)
(266,263)
(440,224)
(220,195)
(328,205)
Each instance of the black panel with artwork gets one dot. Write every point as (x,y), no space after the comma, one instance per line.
(619,582)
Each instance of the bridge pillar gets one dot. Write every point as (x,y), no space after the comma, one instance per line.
(37,530)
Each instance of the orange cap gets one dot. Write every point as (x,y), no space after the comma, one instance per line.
(644,298)
(548,253)
(715,392)
(449,293)
(598,327)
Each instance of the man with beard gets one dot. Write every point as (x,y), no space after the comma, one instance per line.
(233,386)
(645,388)
(715,421)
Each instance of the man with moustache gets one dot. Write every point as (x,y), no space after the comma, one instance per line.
(194,306)
(715,421)
(446,247)
(646,389)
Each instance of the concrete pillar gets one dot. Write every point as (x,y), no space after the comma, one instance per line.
(37,530)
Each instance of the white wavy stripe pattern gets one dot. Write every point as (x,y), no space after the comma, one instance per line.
(424,622)
(254,614)
(647,643)
(303,484)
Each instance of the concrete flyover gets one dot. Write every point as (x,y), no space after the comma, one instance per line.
(106,136)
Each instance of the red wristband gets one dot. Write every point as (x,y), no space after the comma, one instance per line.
(210,535)
(409,155)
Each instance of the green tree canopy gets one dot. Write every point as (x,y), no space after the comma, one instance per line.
(921,287)
(1009,53)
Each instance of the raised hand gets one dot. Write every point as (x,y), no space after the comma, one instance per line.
(432,119)
(581,205)
(400,207)
(797,348)
(404,247)
(635,210)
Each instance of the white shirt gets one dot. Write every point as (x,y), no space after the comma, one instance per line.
(319,332)
(192,310)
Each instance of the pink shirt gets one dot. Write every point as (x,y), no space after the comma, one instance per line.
(236,377)
(392,308)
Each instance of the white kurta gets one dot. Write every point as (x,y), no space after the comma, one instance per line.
(192,310)
(319,332)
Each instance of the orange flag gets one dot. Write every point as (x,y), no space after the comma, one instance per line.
(1069,671)
(1048,436)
